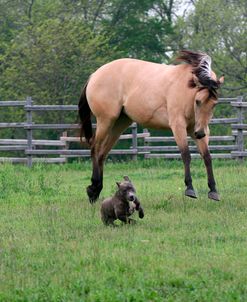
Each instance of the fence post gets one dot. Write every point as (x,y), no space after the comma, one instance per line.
(240,135)
(146,144)
(134,140)
(29,130)
(66,145)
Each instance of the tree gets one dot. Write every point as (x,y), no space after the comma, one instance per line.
(140,28)
(55,45)
(51,60)
(218,27)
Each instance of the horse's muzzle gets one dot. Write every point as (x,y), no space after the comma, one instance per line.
(199,134)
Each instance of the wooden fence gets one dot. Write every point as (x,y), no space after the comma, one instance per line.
(142,144)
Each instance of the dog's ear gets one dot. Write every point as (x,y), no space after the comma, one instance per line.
(118,184)
(126,178)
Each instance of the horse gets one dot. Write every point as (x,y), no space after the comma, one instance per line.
(179,97)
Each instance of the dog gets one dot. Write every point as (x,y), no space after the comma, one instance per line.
(122,205)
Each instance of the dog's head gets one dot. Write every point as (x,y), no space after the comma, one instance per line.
(126,189)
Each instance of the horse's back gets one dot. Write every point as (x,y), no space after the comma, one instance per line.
(111,85)
(122,74)
(126,71)
(140,87)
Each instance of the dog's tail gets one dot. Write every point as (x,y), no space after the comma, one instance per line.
(85,116)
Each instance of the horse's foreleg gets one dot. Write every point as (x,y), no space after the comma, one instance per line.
(180,135)
(186,157)
(202,145)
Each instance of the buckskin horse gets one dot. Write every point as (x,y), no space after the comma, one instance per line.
(177,97)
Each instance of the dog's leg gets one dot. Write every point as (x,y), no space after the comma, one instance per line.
(140,212)
(126,219)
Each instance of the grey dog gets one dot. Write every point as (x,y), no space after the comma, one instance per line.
(122,205)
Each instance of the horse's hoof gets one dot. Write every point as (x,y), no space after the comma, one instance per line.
(214,196)
(93,195)
(190,193)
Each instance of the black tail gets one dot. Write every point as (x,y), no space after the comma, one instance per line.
(85,116)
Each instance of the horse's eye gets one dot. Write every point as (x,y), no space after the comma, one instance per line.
(198,103)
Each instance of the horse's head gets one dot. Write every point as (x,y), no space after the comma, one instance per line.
(206,84)
(204,103)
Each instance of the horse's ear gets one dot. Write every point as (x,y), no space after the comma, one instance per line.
(221,80)
(126,178)
(196,81)
(118,184)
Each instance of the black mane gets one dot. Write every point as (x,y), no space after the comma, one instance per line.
(201,67)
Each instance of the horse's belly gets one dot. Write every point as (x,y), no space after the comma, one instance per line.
(158,120)
(150,118)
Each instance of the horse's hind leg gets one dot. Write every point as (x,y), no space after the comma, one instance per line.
(180,135)
(106,136)
(202,145)
(102,130)
(119,126)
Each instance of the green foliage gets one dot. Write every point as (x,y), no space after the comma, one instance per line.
(54,247)
(219,28)
(140,28)
(51,60)
(48,48)
(55,45)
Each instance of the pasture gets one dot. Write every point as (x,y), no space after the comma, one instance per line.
(53,246)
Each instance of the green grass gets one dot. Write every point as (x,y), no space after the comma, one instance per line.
(53,246)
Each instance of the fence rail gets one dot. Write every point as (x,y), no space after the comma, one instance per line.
(142,143)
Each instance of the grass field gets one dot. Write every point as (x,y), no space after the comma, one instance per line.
(53,246)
